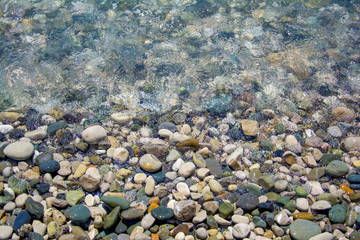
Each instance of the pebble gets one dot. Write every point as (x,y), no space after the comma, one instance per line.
(150,163)
(147,221)
(337,168)
(304,229)
(183,189)
(19,150)
(162,213)
(79,214)
(187,169)
(352,143)
(249,127)
(94,134)
(120,155)
(321,205)
(247,201)
(302,204)
(323,236)
(185,210)
(215,186)
(5,232)
(337,214)
(241,230)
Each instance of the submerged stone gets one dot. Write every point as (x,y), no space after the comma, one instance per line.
(162,213)
(116,201)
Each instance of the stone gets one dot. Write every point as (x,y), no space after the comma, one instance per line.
(267,182)
(226,210)
(22,218)
(187,169)
(280,185)
(323,236)
(302,204)
(150,163)
(19,150)
(80,170)
(241,230)
(321,205)
(343,114)
(17,185)
(36,135)
(249,127)
(49,166)
(282,218)
(35,209)
(185,210)
(337,168)
(162,213)
(79,214)
(183,188)
(215,186)
(337,214)
(65,168)
(116,201)
(90,180)
(353,178)
(247,202)
(201,233)
(94,134)
(199,160)
(9,194)
(132,214)
(120,155)
(5,232)
(352,144)
(147,221)
(74,197)
(304,215)
(304,229)
(52,229)
(112,218)
(187,145)
(121,117)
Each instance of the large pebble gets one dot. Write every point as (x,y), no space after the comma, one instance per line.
(352,143)
(22,218)
(248,201)
(49,166)
(241,230)
(304,229)
(147,221)
(343,114)
(162,213)
(150,163)
(215,186)
(321,205)
(337,168)
(187,169)
(90,180)
(19,150)
(35,208)
(185,210)
(116,201)
(249,127)
(5,232)
(79,214)
(94,134)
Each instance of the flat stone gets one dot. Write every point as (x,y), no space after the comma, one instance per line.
(150,163)
(304,229)
(147,221)
(323,236)
(343,114)
(302,204)
(337,168)
(116,201)
(248,201)
(162,213)
(35,208)
(321,205)
(36,135)
(94,134)
(112,217)
(19,150)
(187,145)
(74,197)
(241,230)
(352,144)
(132,214)
(215,186)
(49,166)
(22,218)
(337,214)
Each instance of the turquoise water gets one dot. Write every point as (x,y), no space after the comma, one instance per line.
(187,55)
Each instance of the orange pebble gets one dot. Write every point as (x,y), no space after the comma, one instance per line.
(36,169)
(89,166)
(155,199)
(346,189)
(304,215)
(155,236)
(152,206)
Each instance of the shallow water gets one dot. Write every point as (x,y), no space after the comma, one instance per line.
(200,55)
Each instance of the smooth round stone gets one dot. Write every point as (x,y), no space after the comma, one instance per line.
(43,187)
(150,163)
(337,214)
(187,169)
(9,194)
(35,236)
(116,201)
(321,205)
(120,155)
(302,204)
(334,131)
(354,178)
(22,218)
(352,144)
(9,206)
(7,172)
(49,166)
(79,214)
(19,150)
(183,188)
(247,201)
(121,117)
(302,229)
(199,160)
(281,185)
(241,230)
(337,168)
(94,134)
(187,145)
(162,213)
(17,185)
(35,209)
(301,192)
(132,214)
(5,232)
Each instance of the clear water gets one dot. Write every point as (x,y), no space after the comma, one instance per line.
(215,55)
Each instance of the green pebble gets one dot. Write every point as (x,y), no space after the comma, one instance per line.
(300,192)
(337,214)
(254,175)
(3,165)
(199,160)
(17,185)
(283,200)
(259,222)
(74,197)
(351,217)
(115,186)
(120,228)
(316,173)
(163,233)
(116,201)
(266,181)
(112,218)
(79,214)
(35,209)
(210,221)
(253,189)
(290,205)
(330,197)
(255,212)
(226,210)
(154,228)
(272,196)
(2,201)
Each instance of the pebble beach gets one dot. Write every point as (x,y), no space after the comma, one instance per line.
(179,119)
(204,178)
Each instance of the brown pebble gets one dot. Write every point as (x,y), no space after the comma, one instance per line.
(343,114)
(180,228)
(187,145)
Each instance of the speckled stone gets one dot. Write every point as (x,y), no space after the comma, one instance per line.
(162,213)
(150,163)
